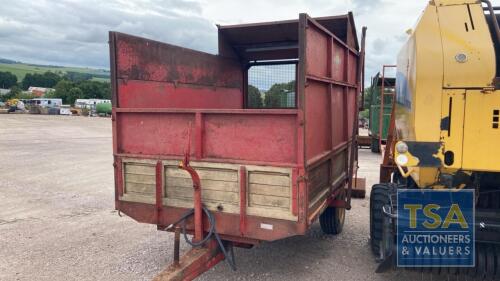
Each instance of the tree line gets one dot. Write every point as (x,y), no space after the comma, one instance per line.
(278,96)
(67,86)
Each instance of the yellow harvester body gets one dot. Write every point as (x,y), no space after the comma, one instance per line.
(447,107)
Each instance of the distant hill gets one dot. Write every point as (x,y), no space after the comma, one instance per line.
(8,61)
(20,69)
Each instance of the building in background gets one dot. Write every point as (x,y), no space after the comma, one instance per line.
(89,103)
(45,103)
(39,91)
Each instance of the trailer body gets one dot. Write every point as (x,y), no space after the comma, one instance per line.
(266,173)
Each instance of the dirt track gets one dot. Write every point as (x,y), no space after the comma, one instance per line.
(57,219)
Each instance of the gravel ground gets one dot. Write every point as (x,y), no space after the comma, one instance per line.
(57,219)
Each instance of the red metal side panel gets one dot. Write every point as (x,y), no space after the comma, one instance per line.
(338,114)
(154,133)
(269,138)
(150,94)
(316,51)
(353,68)
(351,107)
(330,95)
(319,129)
(338,62)
(147,60)
(330,92)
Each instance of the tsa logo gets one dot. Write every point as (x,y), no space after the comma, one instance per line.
(435,228)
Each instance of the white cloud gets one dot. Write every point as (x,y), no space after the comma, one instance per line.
(70,32)
(76,32)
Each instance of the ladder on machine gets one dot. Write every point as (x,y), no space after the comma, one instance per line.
(382,113)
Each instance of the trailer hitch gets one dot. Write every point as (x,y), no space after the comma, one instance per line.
(207,251)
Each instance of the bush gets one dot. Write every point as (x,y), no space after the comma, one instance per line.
(70,91)
(46,80)
(7,80)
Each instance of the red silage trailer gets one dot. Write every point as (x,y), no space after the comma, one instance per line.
(268,125)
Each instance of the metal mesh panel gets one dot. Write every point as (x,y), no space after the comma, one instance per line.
(272,86)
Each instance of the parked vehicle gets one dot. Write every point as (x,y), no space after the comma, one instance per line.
(103,108)
(90,103)
(444,133)
(265,163)
(44,102)
(382,96)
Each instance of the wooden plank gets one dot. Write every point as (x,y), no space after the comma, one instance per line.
(320,171)
(134,197)
(139,169)
(273,190)
(359,188)
(140,188)
(211,195)
(205,184)
(319,196)
(269,201)
(144,179)
(204,173)
(269,178)
(338,167)
(319,179)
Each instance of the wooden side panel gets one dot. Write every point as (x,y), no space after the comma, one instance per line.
(220,187)
(139,182)
(318,182)
(269,192)
(338,166)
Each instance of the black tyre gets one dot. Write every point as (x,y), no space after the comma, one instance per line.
(379,197)
(332,219)
(374,147)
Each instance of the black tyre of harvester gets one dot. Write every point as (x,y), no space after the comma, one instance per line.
(379,197)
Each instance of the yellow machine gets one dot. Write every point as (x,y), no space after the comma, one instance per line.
(445,130)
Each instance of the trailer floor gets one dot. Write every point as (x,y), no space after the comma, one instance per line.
(57,220)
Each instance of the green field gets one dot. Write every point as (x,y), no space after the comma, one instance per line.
(21,69)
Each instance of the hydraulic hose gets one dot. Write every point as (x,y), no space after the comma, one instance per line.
(229,257)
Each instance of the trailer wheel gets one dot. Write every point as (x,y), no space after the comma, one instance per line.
(374,146)
(379,197)
(332,220)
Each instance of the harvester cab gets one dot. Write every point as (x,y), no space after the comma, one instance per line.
(443,137)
